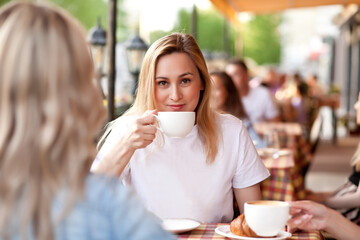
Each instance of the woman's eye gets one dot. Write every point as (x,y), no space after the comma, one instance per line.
(161,83)
(185,80)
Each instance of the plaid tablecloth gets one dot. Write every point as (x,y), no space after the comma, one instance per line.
(291,136)
(285,183)
(207,231)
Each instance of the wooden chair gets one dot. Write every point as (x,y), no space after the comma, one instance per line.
(315,133)
(314,139)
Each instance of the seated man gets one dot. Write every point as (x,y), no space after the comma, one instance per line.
(258,102)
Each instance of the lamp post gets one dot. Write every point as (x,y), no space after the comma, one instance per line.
(135,52)
(97,40)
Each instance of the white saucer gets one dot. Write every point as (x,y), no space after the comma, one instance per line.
(179,225)
(284,152)
(271,152)
(225,231)
(267,152)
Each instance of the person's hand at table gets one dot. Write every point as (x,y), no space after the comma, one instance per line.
(319,197)
(308,215)
(140,134)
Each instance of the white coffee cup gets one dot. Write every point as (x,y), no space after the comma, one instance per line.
(176,124)
(267,218)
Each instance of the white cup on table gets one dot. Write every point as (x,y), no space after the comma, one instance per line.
(176,124)
(267,218)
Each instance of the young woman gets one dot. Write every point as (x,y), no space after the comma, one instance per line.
(225,98)
(191,177)
(50,112)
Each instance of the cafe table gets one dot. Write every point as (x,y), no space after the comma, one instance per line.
(292,136)
(290,128)
(207,231)
(284,183)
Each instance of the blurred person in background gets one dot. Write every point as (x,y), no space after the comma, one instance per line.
(315,88)
(272,81)
(304,108)
(50,112)
(258,102)
(226,99)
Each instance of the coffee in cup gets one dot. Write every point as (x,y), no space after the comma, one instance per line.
(176,124)
(267,218)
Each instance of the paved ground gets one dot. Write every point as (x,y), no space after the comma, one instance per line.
(331,164)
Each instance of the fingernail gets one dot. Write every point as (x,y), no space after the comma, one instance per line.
(307,216)
(297,221)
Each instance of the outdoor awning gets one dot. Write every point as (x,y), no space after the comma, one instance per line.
(231,7)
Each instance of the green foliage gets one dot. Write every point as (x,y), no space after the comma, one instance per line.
(184,21)
(88,12)
(261,40)
(155,35)
(210,27)
(215,32)
(2,2)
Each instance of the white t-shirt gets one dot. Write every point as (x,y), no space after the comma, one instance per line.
(174,180)
(259,105)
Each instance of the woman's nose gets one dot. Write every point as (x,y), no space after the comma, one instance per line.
(175,93)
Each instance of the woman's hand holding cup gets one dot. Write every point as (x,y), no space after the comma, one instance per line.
(142,131)
(140,134)
(308,215)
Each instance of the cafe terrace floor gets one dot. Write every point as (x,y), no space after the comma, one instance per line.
(331,164)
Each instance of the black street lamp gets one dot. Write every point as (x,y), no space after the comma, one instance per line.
(97,40)
(135,52)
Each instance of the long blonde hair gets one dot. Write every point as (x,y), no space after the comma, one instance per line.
(50,113)
(145,99)
(355,160)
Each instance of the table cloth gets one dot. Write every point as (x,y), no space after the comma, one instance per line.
(207,231)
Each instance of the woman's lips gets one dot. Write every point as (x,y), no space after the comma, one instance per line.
(176,107)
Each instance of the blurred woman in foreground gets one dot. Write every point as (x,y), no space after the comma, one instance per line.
(50,112)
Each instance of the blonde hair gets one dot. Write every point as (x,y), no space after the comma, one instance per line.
(355,160)
(50,112)
(145,99)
